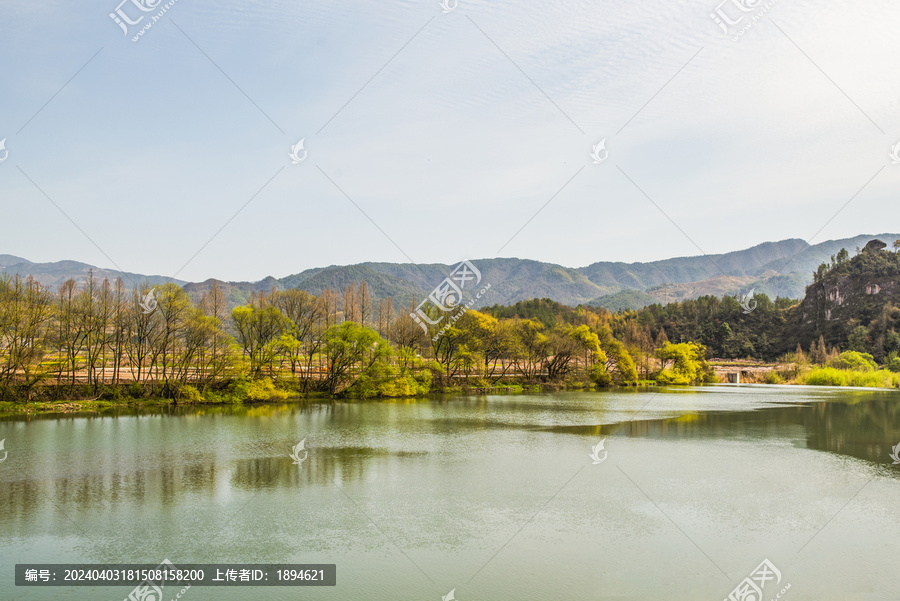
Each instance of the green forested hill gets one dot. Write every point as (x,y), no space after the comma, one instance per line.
(852,304)
(775,268)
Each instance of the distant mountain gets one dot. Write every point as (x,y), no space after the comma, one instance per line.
(54,274)
(511,280)
(642,276)
(776,268)
(11,260)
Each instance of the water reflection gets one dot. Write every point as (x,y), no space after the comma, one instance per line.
(126,459)
(323,467)
(862,425)
(138,458)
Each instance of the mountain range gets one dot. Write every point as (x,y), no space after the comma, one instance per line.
(782,268)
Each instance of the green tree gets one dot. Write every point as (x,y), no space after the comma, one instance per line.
(529,347)
(854,361)
(683,363)
(258,330)
(859,339)
(353,351)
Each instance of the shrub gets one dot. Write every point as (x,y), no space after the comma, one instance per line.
(242,389)
(667,377)
(264,390)
(893,364)
(854,360)
(397,387)
(188,394)
(688,366)
(827,376)
(600,376)
(383,380)
(109,393)
(830,376)
(773,377)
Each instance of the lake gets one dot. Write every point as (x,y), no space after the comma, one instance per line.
(493,497)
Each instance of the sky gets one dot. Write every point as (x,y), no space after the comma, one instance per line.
(434,133)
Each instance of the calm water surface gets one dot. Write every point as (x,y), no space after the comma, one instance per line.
(494,496)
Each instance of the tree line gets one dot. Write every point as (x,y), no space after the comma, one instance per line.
(869,323)
(103,338)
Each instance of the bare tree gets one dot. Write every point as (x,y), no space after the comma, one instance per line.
(214,306)
(386,316)
(348,306)
(365,304)
(406,333)
(330,306)
(120,327)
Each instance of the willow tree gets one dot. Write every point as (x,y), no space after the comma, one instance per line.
(351,351)
(302,339)
(258,330)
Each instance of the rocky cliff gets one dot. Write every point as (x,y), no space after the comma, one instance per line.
(853,302)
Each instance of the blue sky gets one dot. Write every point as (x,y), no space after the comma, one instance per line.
(472,124)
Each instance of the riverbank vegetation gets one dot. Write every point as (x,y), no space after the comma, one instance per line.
(817,368)
(853,303)
(102,341)
(849,368)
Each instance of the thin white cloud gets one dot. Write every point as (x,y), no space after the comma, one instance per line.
(450,148)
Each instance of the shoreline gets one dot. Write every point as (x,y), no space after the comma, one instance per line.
(96,406)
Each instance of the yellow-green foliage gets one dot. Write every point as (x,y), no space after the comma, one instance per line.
(893,363)
(852,368)
(601,376)
(667,377)
(773,377)
(264,390)
(385,380)
(404,386)
(189,394)
(854,361)
(689,364)
(830,376)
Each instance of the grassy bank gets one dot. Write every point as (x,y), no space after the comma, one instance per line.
(850,368)
(244,392)
(830,376)
(76,406)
